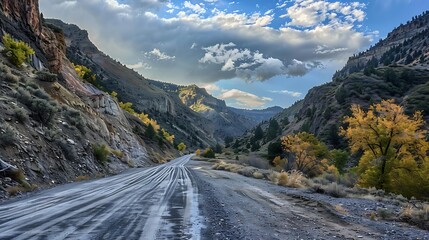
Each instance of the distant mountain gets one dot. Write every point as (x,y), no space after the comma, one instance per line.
(395,68)
(227,121)
(258,115)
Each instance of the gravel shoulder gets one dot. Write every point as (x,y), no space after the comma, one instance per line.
(238,207)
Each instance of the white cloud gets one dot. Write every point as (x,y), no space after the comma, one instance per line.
(262,49)
(287,92)
(197,8)
(211,88)
(309,13)
(244,99)
(252,66)
(160,55)
(139,65)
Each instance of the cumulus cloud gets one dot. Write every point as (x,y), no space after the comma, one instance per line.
(287,92)
(244,99)
(252,66)
(142,30)
(308,13)
(160,55)
(139,65)
(197,8)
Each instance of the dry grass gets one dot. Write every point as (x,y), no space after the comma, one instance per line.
(15,190)
(335,190)
(117,153)
(258,175)
(416,214)
(82,178)
(339,208)
(292,179)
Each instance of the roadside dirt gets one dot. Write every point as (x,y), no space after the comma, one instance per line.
(237,207)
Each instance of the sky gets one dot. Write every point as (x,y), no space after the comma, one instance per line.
(251,53)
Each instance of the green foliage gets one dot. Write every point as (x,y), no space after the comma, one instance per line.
(273,130)
(208,153)
(255,147)
(150,132)
(341,95)
(7,135)
(101,152)
(181,147)
(339,159)
(20,115)
(17,52)
(44,111)
(274,149)
(390,76)
(9,77)
(74,117)
(259,133)
(228,140)
(218,148)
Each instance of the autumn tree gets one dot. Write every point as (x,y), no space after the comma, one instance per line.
(198,152)
(17,52)
(181,147)
(394,148)
(306,153)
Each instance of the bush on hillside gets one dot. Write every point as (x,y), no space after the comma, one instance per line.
(17,52)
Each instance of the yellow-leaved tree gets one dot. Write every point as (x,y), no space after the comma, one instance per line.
(307,153)
(395,151)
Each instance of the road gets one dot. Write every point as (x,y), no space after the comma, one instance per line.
(154,203)
(186,199)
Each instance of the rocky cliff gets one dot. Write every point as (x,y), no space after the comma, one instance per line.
(190,113)
(55,128)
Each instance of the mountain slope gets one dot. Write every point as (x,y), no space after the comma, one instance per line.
(395,68)
(56,128)
(187,125)
(227,121)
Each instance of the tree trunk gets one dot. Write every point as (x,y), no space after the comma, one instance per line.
(382,181)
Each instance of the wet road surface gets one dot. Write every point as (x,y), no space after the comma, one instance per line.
(155,203)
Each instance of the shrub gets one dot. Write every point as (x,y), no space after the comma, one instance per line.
(416,215)
(293,179)
(74,117)
(44,110)
(101,152)
(335,190)
(24,96)
(17,52)
(10,78)
(20,115)
(209,153)
(8,135)
(46,76)
(258,175)
(118,153)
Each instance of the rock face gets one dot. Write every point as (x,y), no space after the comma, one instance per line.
(24,12)
(63,120)
(167,108)
(226,121)
(22,20)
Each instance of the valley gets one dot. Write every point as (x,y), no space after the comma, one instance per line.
(126,143)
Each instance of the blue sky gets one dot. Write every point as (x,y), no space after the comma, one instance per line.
(251,53)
